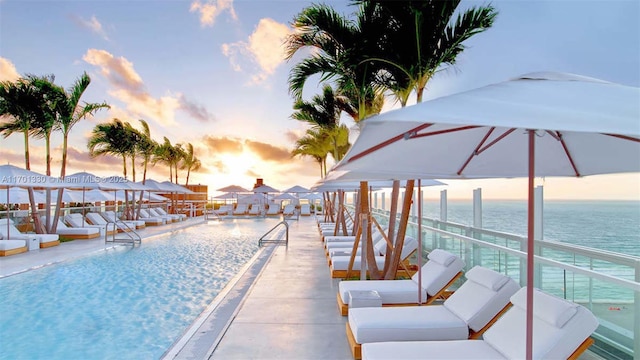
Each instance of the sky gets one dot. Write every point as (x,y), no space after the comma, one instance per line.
(213,74)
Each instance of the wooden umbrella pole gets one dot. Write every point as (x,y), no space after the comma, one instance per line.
(402,229)
(393,212)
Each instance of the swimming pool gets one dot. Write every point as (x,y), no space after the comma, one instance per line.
(123,303)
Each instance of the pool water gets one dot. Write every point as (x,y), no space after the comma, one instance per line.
(123,303)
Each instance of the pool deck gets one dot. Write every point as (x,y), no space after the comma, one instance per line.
(281,306)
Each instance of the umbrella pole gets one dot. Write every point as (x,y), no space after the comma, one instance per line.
(419,241)
(530,247)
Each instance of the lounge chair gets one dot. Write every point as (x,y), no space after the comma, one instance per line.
(77,233)
(289,210)
(273,210)
(96,219)
(151,220)
(78,221)
(169,218)
(343,246)
(340,263)
(111,217)
(161,211)
(241,209)
(442,269)
(255,209)
(467,313)
(45,240)
(561,330)
(305,210)
(12,247)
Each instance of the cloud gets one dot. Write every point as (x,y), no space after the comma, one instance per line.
(268,152)
(196,111)
(8,71)
(210,10)
(263,51)
(92,24)
(129,88)
(223,145)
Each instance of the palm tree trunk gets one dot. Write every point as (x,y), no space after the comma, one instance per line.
(188,173)
(63,169)
(34,210)
(47,141)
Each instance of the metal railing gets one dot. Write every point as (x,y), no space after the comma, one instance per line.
(276,239)
(127,236)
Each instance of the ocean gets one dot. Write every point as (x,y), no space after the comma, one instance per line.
(606,225)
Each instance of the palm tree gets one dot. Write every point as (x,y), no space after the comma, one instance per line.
(19,103)
(190,162)
(323,113)
(168,154)
(70,112)
(343,49)
(421,38)
(145,147)
(113,138)
(316,145)
(50,96)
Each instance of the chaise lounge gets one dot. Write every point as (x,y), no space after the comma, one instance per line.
(442,270)
(467,313)
(77,233)
(45,240)
(340,263)
(561,330)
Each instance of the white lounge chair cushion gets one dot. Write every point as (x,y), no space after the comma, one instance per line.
(475,302)
(63,229)
(342,262)
(547,307)
(441,257)
(435,275)
(16,234)
(488,278)
(411,323)
(6,245)
(390,291)
(549,341)
(420,350)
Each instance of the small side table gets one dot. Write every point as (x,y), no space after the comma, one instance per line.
(364,298)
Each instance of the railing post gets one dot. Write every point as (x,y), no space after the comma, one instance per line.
(538,231)
(636,315)
(477,224)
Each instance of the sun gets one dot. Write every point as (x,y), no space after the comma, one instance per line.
(234,170)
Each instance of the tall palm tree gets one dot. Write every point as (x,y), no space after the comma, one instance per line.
(422,38)
(146,147)
(19,104)
(343,49)
(70,113)
(50,97)
(316,145)
(190,162)
(168,154)
(323,113)
(112,138)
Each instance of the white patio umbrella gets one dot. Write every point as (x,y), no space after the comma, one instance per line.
(542,124)
(13,176)
(233,189)
(17,195)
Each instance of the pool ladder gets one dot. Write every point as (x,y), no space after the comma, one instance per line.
(278,241)
(130,236)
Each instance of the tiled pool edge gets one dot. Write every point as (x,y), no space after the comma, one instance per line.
(204,334)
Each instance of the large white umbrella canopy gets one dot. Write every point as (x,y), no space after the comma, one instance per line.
(297,189)
(176,188)
(541,124)
(225,196)
(17,195)
(233,189)
(265,189)
(285,196)
(11,175)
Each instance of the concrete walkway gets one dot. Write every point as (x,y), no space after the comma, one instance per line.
(291,311)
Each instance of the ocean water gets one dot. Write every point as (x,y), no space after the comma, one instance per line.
(606,225)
